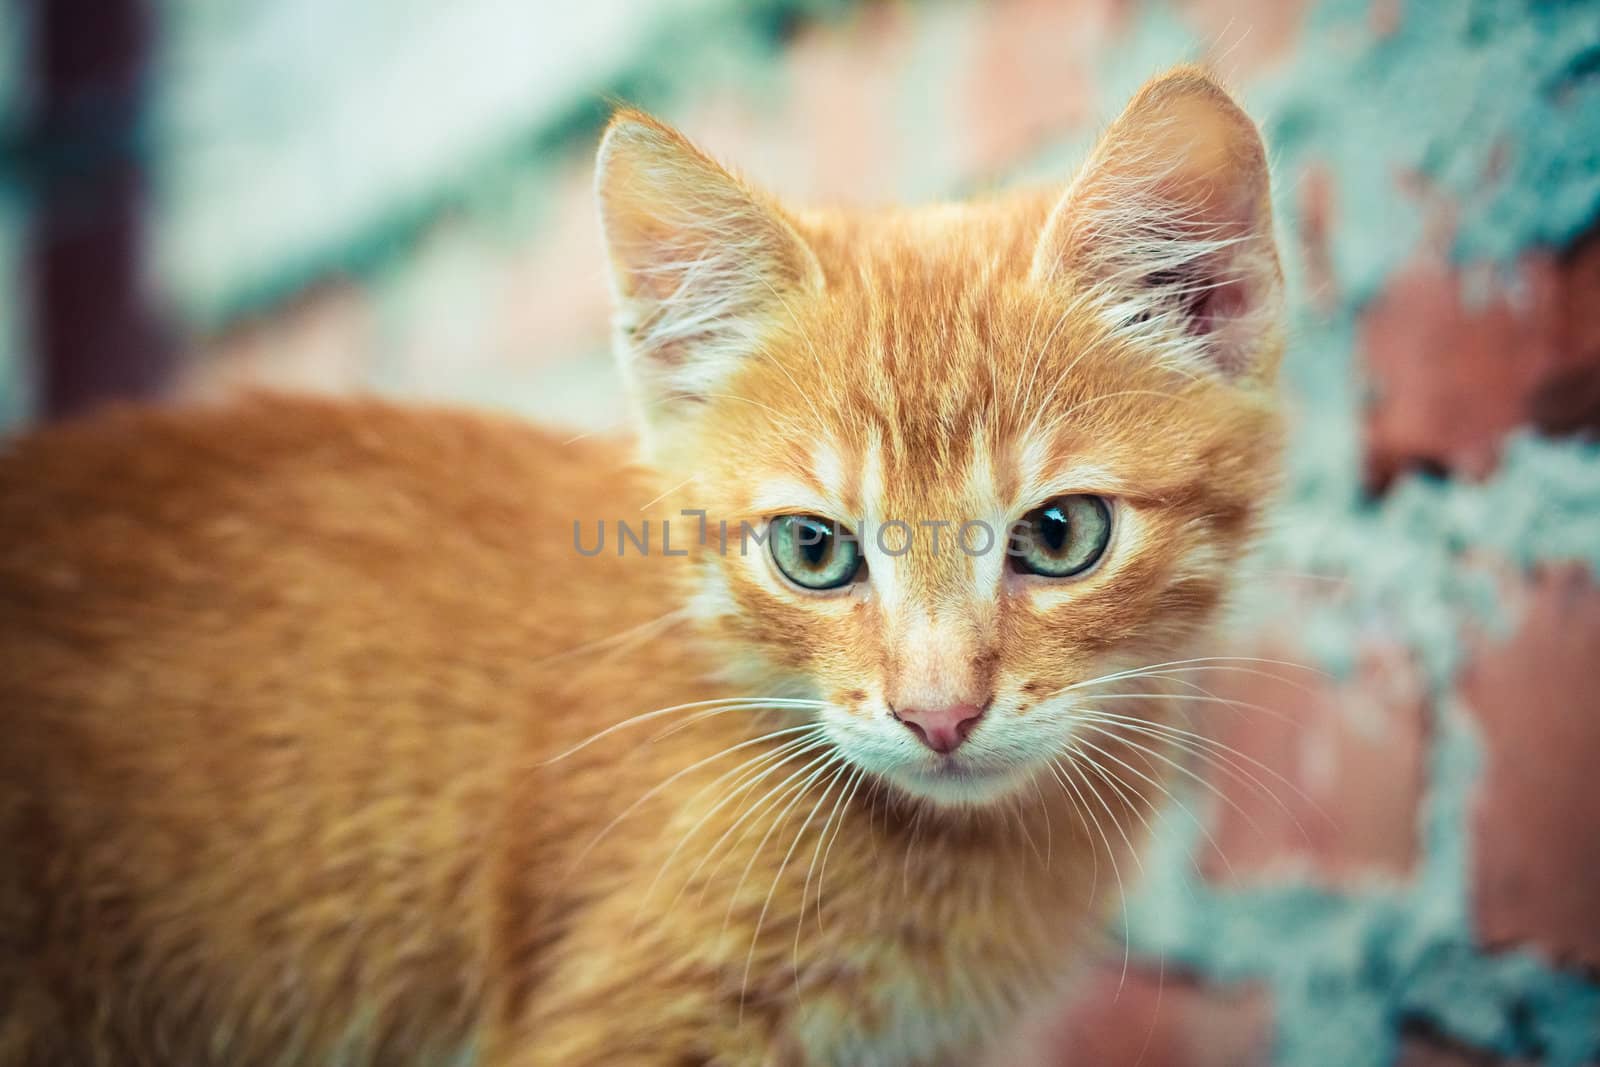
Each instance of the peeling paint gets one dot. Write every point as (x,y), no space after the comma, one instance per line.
(1490,113)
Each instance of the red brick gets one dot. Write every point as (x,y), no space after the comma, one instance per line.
(747,133)
(539,302)
(551,301)
(1429,1051)
(1029,79)
(1456,359)
(1149,1020)
(1315,201)
(1348,760)
(1245,37)
(1569,400)
(324,340)
(847,142)
(1384,18)
(1536,816)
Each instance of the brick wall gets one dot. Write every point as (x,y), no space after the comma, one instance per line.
(1397,858)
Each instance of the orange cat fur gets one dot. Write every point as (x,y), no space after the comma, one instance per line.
(297,693)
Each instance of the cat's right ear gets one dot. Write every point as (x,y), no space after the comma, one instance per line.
(700,265)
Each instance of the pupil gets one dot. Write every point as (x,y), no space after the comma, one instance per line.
(1053,528)
(814,543)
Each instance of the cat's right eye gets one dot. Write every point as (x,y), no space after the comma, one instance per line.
(813,552)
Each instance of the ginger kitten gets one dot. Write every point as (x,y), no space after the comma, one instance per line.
(327,740)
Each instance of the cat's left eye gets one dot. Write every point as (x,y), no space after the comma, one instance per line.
(1062,538)
(813,552)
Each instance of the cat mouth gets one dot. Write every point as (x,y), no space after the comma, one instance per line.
(955,779)
(954,768)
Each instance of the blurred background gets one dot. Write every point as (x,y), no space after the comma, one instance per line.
(392,196)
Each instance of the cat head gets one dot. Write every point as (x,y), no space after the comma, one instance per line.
(971,457)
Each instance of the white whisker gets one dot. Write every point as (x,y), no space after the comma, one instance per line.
(748,774)
(840,766)
(822,873)
(769,801)
(1159,785)
(774,702)
(1122,893)
(1181,769)
(1223,753)
(819,743)
(657,789)
(1089,762)
(617,640)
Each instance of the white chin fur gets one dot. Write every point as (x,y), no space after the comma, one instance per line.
(958,790)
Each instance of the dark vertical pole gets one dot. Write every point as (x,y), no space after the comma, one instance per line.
(95,335)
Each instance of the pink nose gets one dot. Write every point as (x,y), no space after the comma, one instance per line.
(941,729)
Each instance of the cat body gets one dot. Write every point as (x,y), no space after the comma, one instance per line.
(329,738)
(361,848)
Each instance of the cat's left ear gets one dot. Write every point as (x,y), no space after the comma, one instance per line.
(1168,231)
(701,265)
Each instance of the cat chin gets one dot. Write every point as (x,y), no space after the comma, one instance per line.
(952,785)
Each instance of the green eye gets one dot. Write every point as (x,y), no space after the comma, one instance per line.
(1062,538)
(813,552)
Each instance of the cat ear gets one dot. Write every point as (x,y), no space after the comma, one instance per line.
(700,264)
(1168,230)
